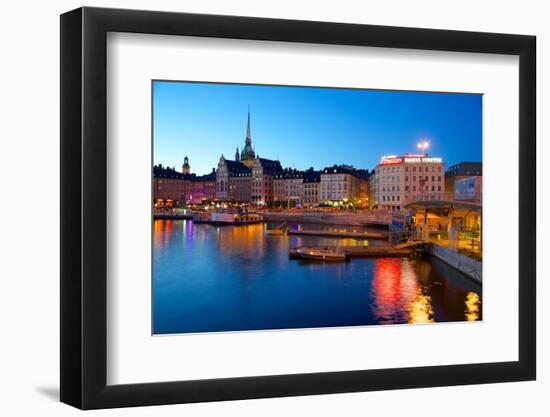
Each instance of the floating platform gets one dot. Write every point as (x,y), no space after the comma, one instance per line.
(169,216)
(360,251)
(327,233)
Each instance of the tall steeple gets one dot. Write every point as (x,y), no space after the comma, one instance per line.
(247,154)
(237,157)
(248,136)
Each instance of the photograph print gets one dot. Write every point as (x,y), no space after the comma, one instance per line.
(292,207)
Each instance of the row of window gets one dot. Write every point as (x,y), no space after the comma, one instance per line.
(397,178)
(398,169)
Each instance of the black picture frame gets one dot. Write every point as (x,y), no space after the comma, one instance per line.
(84,207)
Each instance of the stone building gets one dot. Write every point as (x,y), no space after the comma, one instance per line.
(311,188)
(204,188)
(288,187)
(263,172)
(460,171)
(400,180)
(233,181)
(339,183)
(171,188)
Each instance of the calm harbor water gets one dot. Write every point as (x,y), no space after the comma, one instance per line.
(208,278)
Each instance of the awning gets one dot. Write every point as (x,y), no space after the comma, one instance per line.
(442,205)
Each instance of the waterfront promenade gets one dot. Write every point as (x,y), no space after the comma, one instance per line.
(335,218)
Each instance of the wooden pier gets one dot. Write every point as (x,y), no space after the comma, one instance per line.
(327,233)
(401,250)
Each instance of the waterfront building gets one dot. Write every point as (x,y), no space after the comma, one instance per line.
(311,188)
(170,188)
(362,199)
(204,188)
(288,187)
(468,189)
(233,181)
(374,195)
(400,180)
(263,173)
(460,171)
(339,183)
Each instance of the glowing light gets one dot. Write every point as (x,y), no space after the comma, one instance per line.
(420,310)
(472,306)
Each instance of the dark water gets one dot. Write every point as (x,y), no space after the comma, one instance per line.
(208,278)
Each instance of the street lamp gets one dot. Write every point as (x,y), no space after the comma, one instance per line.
(423,146)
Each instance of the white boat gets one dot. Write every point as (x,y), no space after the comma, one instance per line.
(321,254)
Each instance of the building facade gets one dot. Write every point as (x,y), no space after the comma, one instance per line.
(460,171)
(311,188)
(263,173)
(400,180)
(171,188)
(232,181)
(288,187)
(339,183)
(204,188)
(469,189)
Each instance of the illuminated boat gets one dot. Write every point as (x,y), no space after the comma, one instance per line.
(322,254)
(277,230)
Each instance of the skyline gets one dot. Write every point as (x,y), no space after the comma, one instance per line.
(310,126)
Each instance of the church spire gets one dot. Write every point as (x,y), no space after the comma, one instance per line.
(237,157)
(248,136)
(247,153)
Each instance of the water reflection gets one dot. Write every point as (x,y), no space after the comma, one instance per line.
(473,304)
(209,278)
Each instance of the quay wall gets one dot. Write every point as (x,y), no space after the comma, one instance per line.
(349,219)
(464,264)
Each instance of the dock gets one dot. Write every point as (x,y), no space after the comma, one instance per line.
(401,250)
(327,233)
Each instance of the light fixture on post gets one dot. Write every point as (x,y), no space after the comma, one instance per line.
(423,146)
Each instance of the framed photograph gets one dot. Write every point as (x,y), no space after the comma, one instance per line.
(257,208)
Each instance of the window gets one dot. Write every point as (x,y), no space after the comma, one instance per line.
(414,178)
(433,178)
(406,179)
(439,178)
(406,188)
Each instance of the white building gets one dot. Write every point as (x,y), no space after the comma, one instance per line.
(399,180)
(339,183)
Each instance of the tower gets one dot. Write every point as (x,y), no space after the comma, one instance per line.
(237,157)
(186,168)
(248,155)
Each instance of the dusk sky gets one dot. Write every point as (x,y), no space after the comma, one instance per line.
(305,127)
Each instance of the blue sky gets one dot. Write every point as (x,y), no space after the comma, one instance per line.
(305,127)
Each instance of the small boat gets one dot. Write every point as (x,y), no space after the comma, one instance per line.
(278,230)
(322,254)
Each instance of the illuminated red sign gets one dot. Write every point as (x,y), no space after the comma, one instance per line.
(389,161)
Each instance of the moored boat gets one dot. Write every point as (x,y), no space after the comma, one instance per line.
(277,230)
(322,254)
